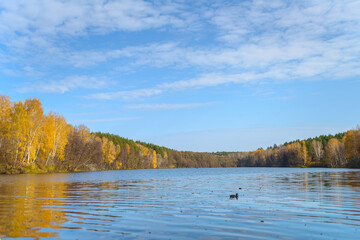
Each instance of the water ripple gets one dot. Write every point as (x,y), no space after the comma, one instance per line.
(273,203)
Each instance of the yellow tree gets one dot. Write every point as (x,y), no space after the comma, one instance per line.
(154,159)
(84,132)
(144,150)
(109,150)
(259,156)
(5,120)
(35,114)
(5,113)
(18,129)
(56,131)
(5,116)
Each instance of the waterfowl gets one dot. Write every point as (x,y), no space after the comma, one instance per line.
(234,196)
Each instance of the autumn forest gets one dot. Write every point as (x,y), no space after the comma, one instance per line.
(32,142)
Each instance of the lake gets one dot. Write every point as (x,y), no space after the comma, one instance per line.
(273,203)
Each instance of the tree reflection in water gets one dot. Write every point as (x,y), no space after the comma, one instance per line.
(174,202)
(30,205)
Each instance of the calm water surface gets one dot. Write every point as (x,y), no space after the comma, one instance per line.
(274,203)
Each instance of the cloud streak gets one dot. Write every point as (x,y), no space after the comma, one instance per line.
(207,80)
(168,106)
(99,120)
(65,85)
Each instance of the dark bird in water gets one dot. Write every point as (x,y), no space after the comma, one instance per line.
(234,196)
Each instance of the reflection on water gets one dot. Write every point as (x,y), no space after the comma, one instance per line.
(26,207)
(273,203)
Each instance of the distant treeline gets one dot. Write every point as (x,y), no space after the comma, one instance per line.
(33,142)
(341,150)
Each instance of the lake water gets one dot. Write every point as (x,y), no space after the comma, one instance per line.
(273,203)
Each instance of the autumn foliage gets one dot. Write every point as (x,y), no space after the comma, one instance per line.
(341,150)
(31,141)
(28,137)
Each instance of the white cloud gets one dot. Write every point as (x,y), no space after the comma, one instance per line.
(83,121)
(158,55)
(297,58)
(168,106)
(78,17)
(65,85)
(127,95)
(256,40)
(39,31)
(207,80)
(251,22)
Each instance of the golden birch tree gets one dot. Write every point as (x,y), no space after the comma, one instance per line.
(18,129)
(35,115)
(56,132)
(5,116)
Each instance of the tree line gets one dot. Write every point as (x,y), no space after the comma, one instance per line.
(31,141)
(340,150)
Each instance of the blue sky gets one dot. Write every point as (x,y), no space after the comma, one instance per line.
(189,75)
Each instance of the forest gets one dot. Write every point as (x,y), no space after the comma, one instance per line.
(341,150)
(32,142)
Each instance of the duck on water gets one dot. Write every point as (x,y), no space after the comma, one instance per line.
(232,196)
